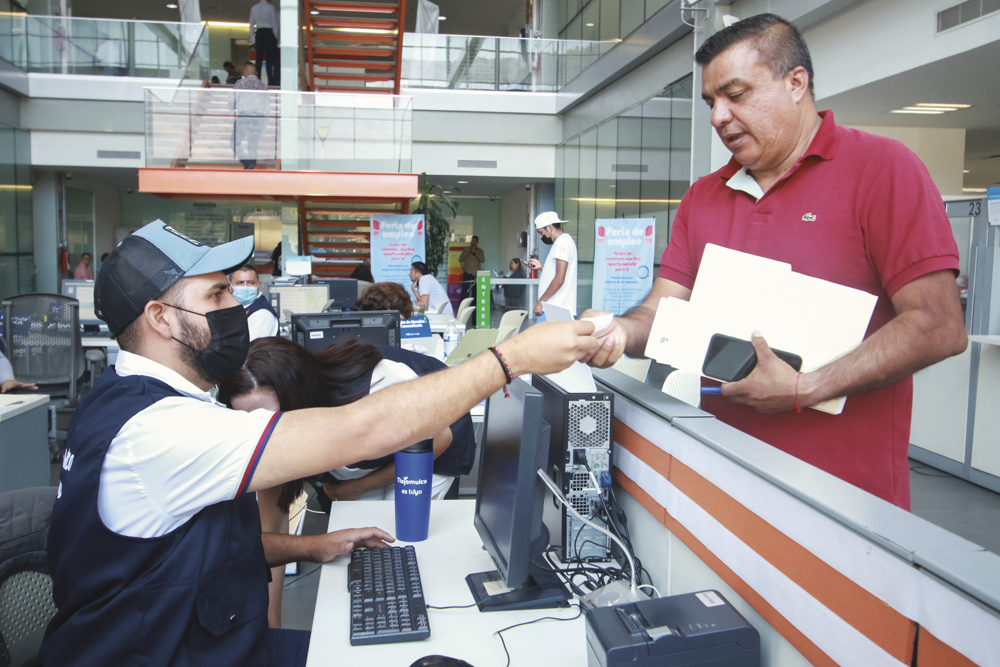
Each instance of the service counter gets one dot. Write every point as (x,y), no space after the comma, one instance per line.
(827,573)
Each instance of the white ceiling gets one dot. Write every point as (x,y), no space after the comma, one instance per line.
(967,78)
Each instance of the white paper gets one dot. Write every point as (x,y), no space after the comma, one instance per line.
(737,293)
(601,322)
(577,378)
(993,206)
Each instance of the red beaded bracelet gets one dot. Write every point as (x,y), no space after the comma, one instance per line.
(506,369)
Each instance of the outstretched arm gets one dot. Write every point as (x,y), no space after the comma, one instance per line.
(308,442)
(628,333)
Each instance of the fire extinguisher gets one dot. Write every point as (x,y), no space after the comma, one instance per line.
(63,260)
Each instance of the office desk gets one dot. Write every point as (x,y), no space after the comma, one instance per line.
(439,322)
(110,346)
(24,441)
(452,550)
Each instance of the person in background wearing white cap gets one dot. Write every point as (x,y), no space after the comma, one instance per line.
(155,544)
(557,284)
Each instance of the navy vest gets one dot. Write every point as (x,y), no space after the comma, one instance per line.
(260,303)
(195,596)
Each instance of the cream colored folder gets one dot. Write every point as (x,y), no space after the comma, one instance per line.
(736,293)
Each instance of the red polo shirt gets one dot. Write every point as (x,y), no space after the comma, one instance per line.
(858,210)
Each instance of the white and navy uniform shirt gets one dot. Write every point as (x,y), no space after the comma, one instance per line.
(177,456)
(154,544)
(261,319)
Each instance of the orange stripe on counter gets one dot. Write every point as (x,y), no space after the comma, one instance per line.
(932,652)
(802,644)
(887,628)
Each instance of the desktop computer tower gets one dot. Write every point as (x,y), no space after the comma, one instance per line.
(581,442)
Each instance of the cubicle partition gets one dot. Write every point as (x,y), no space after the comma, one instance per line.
(827,573)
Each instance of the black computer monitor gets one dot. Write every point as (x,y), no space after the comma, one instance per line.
(509,503)
(343,292)
(318,331)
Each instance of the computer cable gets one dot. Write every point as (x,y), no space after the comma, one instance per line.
(499,633)
(453,606)
(562,498)
(652,587)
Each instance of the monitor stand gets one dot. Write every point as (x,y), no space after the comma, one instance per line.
(545,590)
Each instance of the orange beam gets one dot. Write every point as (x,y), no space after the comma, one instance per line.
(278,185)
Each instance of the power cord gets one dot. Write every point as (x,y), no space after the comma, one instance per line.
(454,606)
(499,633)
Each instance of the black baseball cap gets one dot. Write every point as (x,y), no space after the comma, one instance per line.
(149,261)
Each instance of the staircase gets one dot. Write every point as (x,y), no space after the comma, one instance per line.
(209,131)
(354,47)
(340,234)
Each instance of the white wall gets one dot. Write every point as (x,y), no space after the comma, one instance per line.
(515,212)
(941,150)
(879,38)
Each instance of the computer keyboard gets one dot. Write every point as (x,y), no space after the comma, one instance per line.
(387,599)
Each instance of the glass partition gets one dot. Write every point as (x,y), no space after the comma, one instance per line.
(468,62)
(222,128)
(12,35)
(108,47)
(635,165)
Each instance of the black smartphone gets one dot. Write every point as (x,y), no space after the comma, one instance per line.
(732,359)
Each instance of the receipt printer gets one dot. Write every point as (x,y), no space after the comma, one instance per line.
(695,629)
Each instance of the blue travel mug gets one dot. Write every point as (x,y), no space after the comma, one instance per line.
(414,470)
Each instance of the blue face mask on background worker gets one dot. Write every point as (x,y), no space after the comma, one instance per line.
(245,294)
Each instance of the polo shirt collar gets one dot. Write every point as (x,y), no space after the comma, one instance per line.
(129,363)
(823,146)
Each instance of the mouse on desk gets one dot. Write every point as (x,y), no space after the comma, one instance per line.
(439,661)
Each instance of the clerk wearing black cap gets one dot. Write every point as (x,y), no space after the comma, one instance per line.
(155,543)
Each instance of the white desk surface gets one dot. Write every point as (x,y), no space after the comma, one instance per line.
(12,405)
(987,340)
(452,550)
(98,341)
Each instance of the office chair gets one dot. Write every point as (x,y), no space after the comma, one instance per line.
(44,347)
(26,604)
(465,316)
(510,324)
(465,303)
(441,306)
(634,368)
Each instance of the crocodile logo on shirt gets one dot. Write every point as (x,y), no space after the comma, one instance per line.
(809,217)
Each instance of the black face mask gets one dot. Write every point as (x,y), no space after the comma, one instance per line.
(547,240)
(227,351)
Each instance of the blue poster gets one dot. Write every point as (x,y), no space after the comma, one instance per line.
(623,262)
(397,241)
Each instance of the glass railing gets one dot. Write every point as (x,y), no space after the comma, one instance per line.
(225,129)
(468,62)
(108,47)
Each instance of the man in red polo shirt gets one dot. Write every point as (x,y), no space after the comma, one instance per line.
(837,204)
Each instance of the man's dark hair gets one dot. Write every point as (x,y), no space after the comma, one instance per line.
(226,64)
(338,375)
(386,296)
(363,272)
(86,254)
(245,267)
(249,64)
(475,237)
(421,268)
(780,46)
(557,225)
